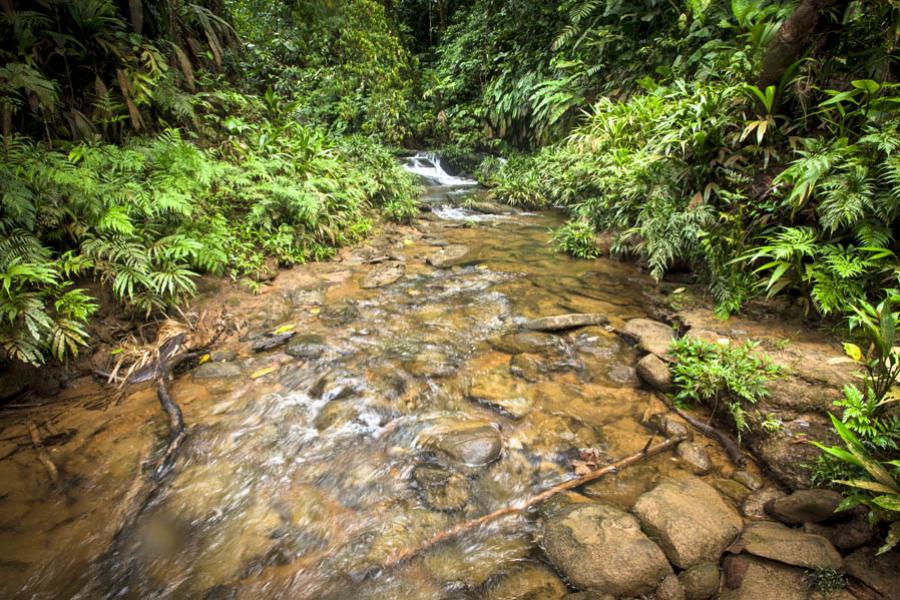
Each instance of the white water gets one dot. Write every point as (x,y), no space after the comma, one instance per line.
(428,167)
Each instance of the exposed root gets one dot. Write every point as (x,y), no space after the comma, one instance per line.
(648,451)
(42,454)
(731,448)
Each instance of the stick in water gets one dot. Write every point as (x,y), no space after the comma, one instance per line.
(42,454)
(462,528)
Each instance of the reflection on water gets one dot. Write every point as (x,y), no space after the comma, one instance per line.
(393,414)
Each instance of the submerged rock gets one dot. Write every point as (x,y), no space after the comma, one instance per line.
(466,443)
(530,581)
(651,336)
(270,342)
(789,546)
(383,275)
(602,548)
(523,342)
(564,322)
(689,519)
(442,489)
(448,256)
(502,395)
(695,457)
(217,370)
(804,506)
(307,347)
(654,372)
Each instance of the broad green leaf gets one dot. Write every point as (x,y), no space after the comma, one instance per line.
(853,351)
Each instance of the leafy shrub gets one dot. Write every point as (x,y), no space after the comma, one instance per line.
(576,238)
(713,374)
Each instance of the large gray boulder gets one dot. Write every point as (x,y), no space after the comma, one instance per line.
(602,548)
(689,520)
(789,546)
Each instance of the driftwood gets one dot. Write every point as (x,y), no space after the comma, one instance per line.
(731,448)
(42,454)
(648,451)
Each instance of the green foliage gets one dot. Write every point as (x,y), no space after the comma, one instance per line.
(878,489)
(826,580)
(734,376)
(576,238)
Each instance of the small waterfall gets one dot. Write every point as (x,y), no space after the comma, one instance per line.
(428,167)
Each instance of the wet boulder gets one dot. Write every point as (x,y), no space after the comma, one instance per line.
(530,581)
(565,322)
(383,275)
(651,336)
(448,256)
(804,506)
(689,520)
(789,546)
(601,548)
(465,443)
(654,372)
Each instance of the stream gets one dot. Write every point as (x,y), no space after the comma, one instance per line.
(397,410)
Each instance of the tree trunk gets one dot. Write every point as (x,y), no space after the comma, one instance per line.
(792,40)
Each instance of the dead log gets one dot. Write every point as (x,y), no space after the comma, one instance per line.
(731,447)
(648,451)
(42,454)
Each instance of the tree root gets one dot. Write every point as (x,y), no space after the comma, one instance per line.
(41,451)
(648,451)
(731,448)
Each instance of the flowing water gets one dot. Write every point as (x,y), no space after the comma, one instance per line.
(395,413)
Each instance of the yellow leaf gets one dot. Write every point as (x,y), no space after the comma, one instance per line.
(204,359)
(407,242)
(678,291)
(853,351)
(284,329)
(315,311)
(261,372)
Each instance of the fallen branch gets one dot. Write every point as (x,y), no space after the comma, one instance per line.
(462,528)
(42,454)
(731,448)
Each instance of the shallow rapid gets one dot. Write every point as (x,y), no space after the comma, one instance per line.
(396,411)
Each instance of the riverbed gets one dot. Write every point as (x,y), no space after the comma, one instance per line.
(408,400)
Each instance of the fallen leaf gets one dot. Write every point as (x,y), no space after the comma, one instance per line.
(204,359)
(261,372)
(284,329)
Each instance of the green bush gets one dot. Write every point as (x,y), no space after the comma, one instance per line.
(576,238)
(732,376)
